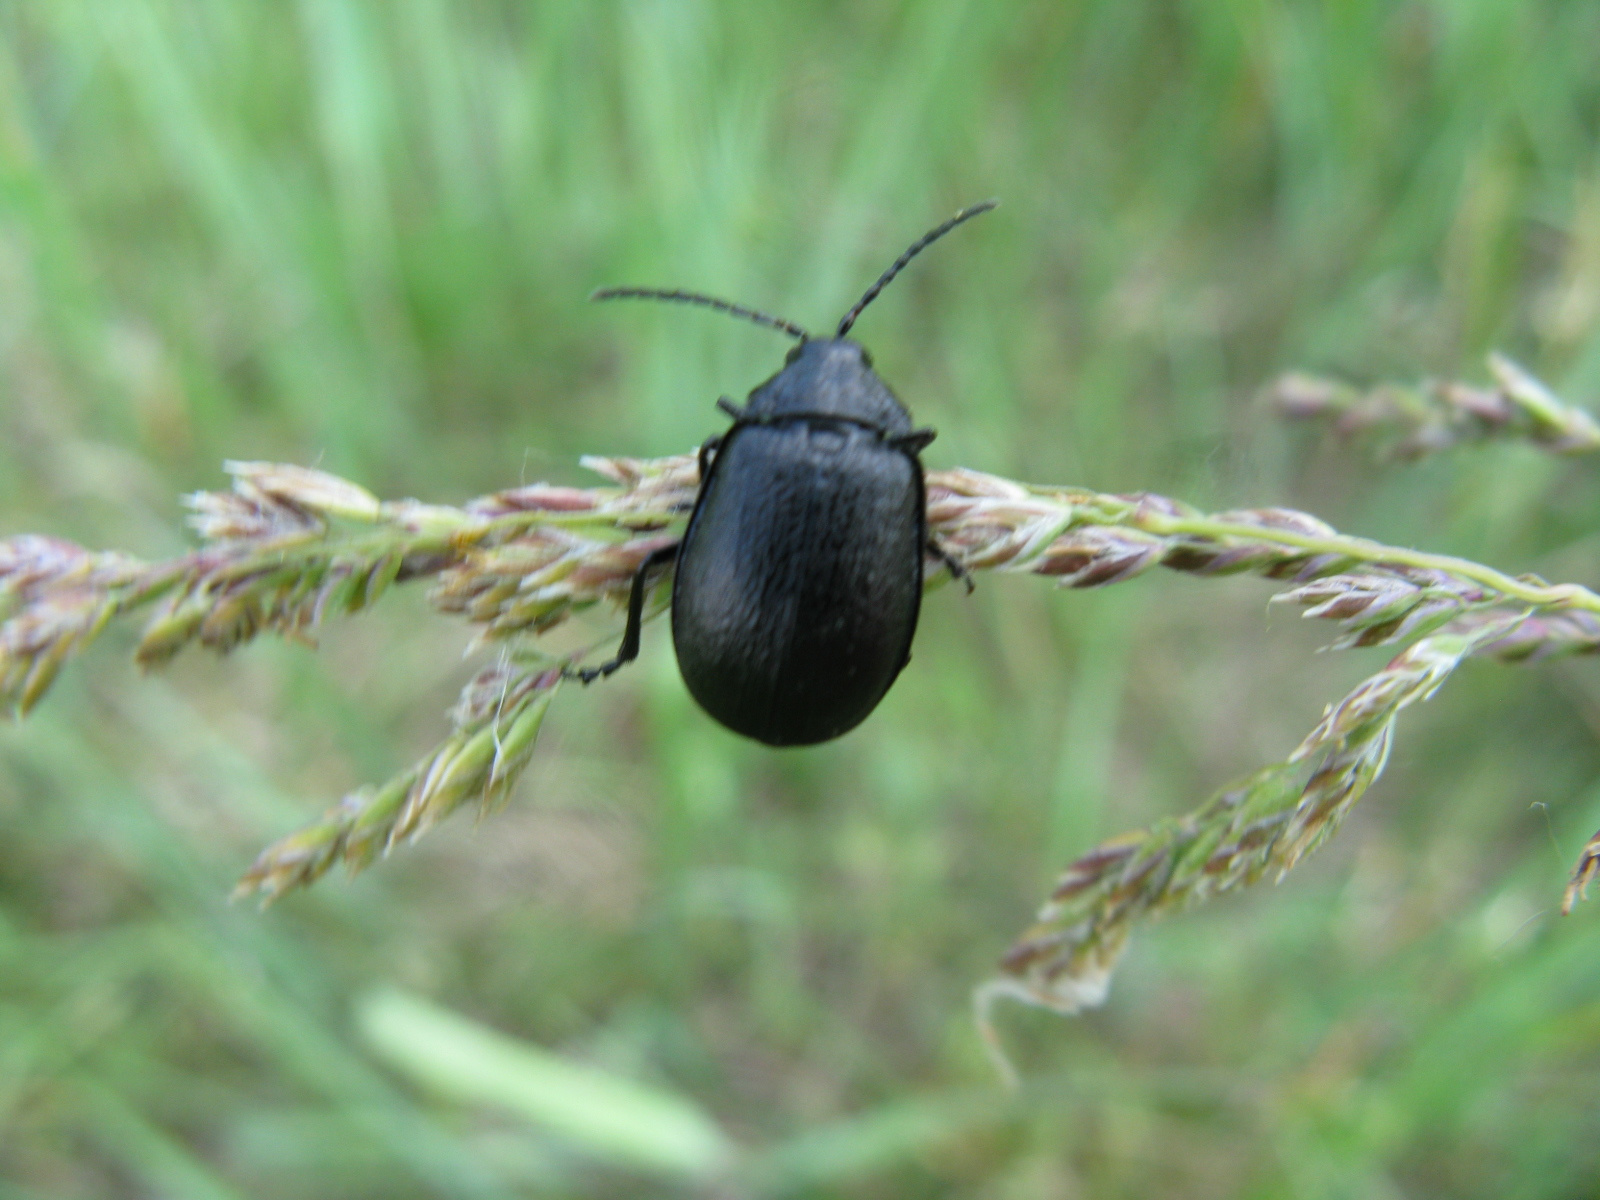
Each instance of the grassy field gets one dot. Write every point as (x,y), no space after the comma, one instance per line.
(361,234)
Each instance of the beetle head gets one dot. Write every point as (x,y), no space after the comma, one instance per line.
(830,376)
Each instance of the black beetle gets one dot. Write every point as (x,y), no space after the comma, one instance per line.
(799,578)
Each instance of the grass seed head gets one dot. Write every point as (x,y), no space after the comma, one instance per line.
(288,546)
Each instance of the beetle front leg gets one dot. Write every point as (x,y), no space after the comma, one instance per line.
(629,650)
(957,571)
(707,447)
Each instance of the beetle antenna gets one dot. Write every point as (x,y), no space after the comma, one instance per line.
(733,310)
(917,247)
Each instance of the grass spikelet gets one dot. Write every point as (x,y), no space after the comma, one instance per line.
(1588,866)
(497,722)
(1258,827)
(55,598)
(1414,421)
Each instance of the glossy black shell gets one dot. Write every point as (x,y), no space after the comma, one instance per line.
(799,580)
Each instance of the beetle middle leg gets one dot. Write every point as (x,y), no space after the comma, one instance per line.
(951,563)
(629,650)
(914,442)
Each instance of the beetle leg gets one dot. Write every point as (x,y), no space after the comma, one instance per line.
(957,571)
(706,447)
(914,442)
(629,650)
(732,409)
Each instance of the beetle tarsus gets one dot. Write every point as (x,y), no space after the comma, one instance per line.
(629,650)
(951,563)
(732,409)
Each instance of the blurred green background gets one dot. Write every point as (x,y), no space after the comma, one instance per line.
(360,234)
